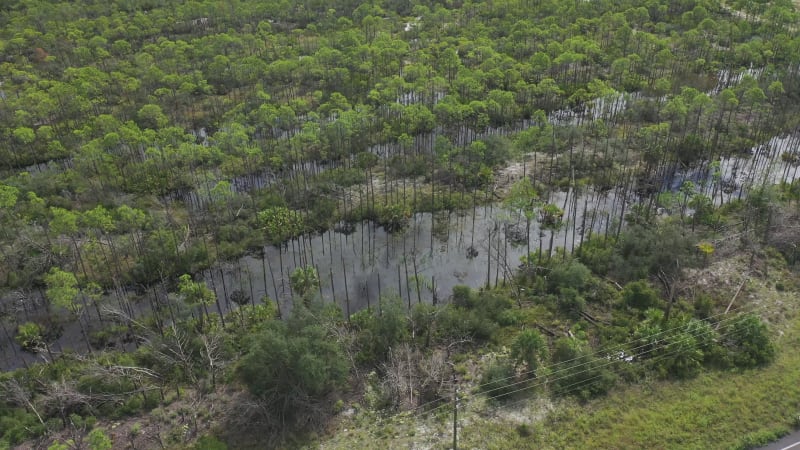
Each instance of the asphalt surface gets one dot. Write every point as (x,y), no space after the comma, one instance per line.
(791,441)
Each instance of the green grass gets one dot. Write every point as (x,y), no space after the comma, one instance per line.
(739,409)
(716,410)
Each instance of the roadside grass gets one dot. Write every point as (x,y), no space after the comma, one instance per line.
(716,410)
(734,409)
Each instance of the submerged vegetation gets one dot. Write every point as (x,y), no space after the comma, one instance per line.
(149,148)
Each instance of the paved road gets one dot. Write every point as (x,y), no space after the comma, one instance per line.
(791,441)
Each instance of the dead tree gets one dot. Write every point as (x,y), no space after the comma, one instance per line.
(15,393)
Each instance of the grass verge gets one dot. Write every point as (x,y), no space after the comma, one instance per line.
(716,410)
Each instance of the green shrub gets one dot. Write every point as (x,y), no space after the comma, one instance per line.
(571,274)
(377,333)
(529,348)
(101,384)
(497,381)
(304,280)
(151,400)
(683,355)
(132,406)
(718,357)
(509,317)
(649,250)
(748,340)
(343,176)
(423,318)
(394,217)
(462,296)
(239,233)
(639,295)
(455,322)
(570,301)
(29,336)
(579,373)
(375,396)
(600,291)
(98,440)
(491,304)
(703,306)
(17,425)
(106,337)
(596,253)
(209,443)
(474,314)
(291,365)
(760,438)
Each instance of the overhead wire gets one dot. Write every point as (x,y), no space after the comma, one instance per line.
(612,351)
(590,356)
(571,387)
(589,360)
(656,358)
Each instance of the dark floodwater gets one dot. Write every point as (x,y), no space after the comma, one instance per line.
(436,251)
(421,263)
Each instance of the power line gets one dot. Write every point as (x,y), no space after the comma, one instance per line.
(592,356)
(656,358)
(580,384)
(590,360)
(609,352)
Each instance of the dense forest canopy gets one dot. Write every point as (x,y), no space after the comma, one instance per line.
(112,111)
(143,142)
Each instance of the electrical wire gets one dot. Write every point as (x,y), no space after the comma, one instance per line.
(581,384)
(610,352)
(654,359)
(592,359)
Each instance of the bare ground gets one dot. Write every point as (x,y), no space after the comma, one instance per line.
(174,425)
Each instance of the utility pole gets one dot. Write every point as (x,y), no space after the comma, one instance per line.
(455,412)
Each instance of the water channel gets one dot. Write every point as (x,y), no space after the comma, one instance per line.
(437,251)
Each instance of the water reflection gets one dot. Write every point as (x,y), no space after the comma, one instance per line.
(422,263)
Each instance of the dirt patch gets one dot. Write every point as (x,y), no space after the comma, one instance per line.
(513,172)
(178,423)
(759,283)
(720,279)
(527,412)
